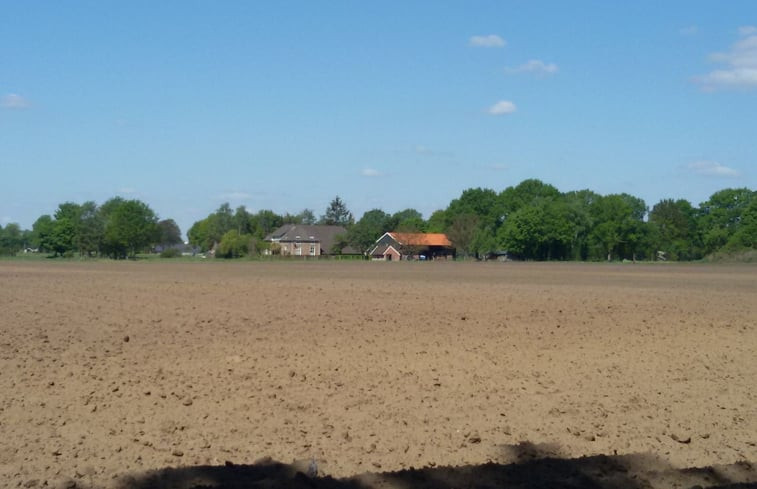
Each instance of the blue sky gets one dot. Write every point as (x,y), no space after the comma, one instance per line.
(283,105)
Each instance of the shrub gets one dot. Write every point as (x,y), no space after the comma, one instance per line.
(233,245)
(170,253)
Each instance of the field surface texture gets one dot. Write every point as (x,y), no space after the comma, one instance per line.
(140,375)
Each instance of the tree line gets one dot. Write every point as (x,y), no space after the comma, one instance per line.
(532,220)
(117,229)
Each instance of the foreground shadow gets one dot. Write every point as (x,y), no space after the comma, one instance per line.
(533,466)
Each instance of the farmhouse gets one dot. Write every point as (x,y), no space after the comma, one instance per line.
(305,240)
(412,246)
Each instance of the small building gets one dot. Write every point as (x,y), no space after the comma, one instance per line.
(412,246)
(307,240)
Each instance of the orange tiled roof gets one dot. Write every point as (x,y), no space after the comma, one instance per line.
(421,239)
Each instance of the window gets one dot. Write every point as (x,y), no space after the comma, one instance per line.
(312,250)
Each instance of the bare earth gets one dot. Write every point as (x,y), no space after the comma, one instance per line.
(387,374)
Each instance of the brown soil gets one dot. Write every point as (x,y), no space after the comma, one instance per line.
(412,374)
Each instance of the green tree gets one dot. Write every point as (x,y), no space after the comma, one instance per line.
(462,233)
(207,233)
(542,230)
(521,235)
(337,214)
(537,222)
(108,247)
(485,206)
(11,239)
(131,227)
(720,216)
(524,194)
(241,220)
(307,217)
(560,222)
(364,233)
(580,203)
(221,221)
(288,218)
(42,230)
(266,221)
(169,233)
(340,243)
(673,229)
(745,236)
(199,234)
(437,222)
(107,208)
(408,221)
(234,244)
(26,237)
(64,236)
(482,203)
(484,243)
(619,230)
(90,229)
(3,250)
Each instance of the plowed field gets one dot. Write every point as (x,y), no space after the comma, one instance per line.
(111,370)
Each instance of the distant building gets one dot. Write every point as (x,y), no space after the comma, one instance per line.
(412,246)
(305,240)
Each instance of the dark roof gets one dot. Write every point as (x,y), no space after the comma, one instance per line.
(302,233)
(379,250)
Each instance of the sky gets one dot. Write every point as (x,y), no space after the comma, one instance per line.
(392,105)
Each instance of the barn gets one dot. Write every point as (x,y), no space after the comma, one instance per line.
(396,246)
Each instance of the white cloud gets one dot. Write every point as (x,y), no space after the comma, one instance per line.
(13,101)
(712,169)
(535,66)
(235,196)
(370,173)
(740,70)
(502,107)
(688,30)
(490,41)
(734,78)
(747,30)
